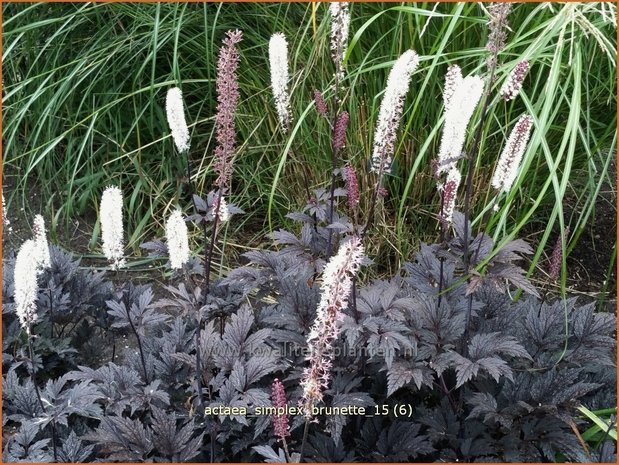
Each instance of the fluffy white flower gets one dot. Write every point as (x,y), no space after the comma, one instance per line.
(26,286)
(178,242)
(278,60)
(176,119)
(5,219)
(111,217)
(335,289)
(340,22)
(41,242)
(391,109)
(509,162)
(224,212)
(458,113)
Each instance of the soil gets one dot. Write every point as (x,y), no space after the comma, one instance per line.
(589,262)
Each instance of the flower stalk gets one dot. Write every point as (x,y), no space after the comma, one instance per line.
(390,113)
(337,283)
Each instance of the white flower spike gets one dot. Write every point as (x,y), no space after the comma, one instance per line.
(111,217)
(178,242)
(176,119)
(278,60)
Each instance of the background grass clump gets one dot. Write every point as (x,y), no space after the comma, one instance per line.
(83,107)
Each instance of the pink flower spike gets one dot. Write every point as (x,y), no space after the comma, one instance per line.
(227,101)
(352,186)
(281,427)
(321,105)
(557,255)
(339,132)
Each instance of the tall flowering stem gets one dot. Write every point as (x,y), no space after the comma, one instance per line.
(497,25)
(26,273)
(460,97)
(335,290)
(340,24)
(338,140)
(31,261)
(390,113)
(336,287)
(111,218)
(225,128)
(227,103)
(391,109)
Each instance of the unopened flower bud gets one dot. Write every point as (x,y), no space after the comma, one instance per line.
(339,132)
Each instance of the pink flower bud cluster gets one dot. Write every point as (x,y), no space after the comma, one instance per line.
(449,193)
(509,161)
(227,101)
(321,105)
(497,26)
(512,85)
(335,290)
(339,131)
(557,255)
(281,428)
(352,186)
